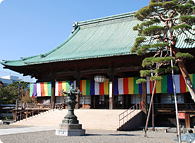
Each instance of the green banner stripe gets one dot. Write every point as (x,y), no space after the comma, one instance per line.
(31,89)
(87,87)
(67,85)
(164,84)
(49,88)
(136,86)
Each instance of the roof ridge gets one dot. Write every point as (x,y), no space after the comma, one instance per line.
(129,14)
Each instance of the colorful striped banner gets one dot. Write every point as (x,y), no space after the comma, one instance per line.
(85,87)
(100,89)
(63,85)
(166,84)
(121,86)
(127,86)
(40,89)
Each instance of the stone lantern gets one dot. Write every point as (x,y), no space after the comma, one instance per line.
(70,125)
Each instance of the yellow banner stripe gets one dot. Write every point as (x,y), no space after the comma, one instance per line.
(106,85)
(131,85)
(158,87)
(45,88)
(191,77)
(64,85)
(84,87)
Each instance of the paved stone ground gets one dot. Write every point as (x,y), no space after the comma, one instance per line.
(92,136)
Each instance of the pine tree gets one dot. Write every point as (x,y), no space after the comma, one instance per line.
(162,22)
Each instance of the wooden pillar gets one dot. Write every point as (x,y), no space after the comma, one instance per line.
(53,83)
(144,98)
(111,90)
(77,106)
(187,115)
(15,117)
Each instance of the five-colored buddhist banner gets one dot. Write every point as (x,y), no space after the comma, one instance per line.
(40,89)
(166,84)
(127,86)
(63,85)
(121,86)
(90,87)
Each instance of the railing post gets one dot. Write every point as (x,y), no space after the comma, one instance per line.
(123,118)
(127,115)
(119,121)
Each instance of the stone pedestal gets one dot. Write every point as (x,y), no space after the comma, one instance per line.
(70,130)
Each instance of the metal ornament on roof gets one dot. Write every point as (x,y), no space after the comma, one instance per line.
(100,78)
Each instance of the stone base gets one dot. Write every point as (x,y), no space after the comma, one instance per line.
(70,126)
(70,132)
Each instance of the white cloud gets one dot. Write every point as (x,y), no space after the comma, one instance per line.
(1,1)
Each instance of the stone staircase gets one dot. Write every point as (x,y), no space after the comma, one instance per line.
(131,118)
(89,118)
(134,121)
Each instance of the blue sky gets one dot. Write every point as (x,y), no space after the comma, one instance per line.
(31,27)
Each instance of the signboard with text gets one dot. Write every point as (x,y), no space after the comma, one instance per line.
(181,115)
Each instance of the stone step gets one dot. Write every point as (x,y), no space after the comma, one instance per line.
(89,118)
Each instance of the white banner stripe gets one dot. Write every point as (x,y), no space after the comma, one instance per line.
(120,86)
(38,89)
(56,90)
(96,88)
(74,84)
(177,83)
(148,84)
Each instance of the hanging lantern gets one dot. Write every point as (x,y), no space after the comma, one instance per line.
(100,78)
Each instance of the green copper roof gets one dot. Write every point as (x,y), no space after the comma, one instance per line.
(103,37)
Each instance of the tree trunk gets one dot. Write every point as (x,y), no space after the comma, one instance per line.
(185,75)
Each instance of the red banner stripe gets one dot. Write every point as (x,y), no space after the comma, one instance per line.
(151,87)
(42,89)
(182,84)
(125,86)
(101,89)
(59,87)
